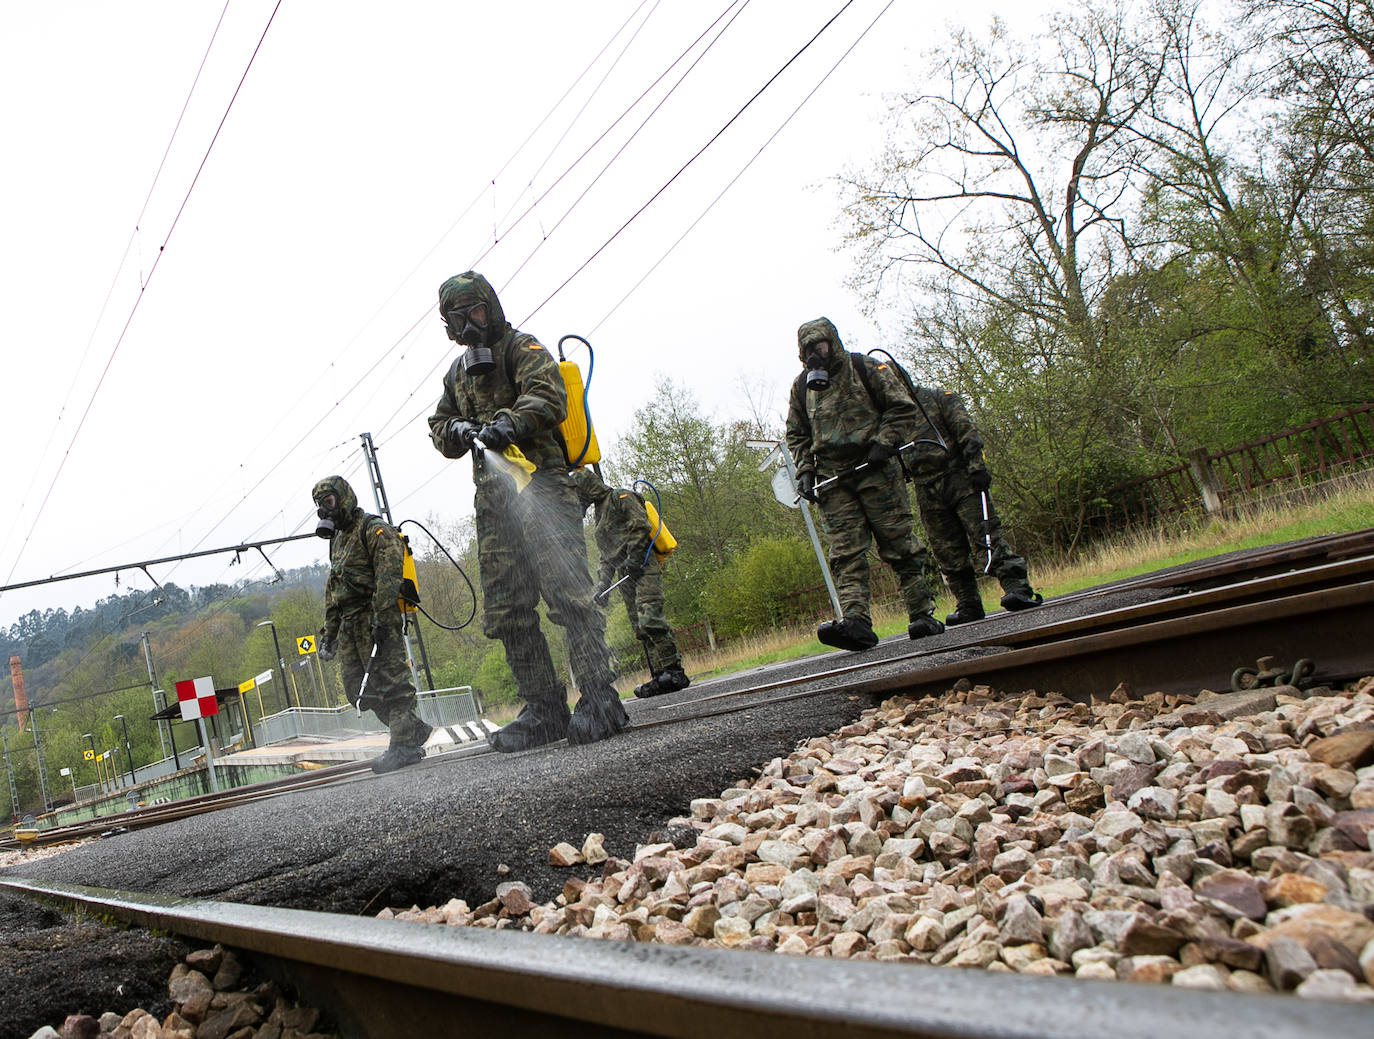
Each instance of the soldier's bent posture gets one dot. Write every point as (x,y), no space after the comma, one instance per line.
(505,389)
(360,611)
(952,493)
(848,411)
(623,539)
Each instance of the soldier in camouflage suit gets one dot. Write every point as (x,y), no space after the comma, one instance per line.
(505,389)
(850,412)
(360,610)
(623,537)
(951,477)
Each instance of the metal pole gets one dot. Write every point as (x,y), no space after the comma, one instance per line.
(171,732)
(787,462)
(9,773)
(374,471)
(281,664)
(95,760)
(152,682)
(128,751)
(209,755)
(38,753)
(71,774)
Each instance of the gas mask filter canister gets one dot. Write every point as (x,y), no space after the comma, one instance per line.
(326,527)
(477,360)
(817,379)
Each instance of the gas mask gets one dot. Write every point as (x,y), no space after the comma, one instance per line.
(467,326)
(817,355)
(328,512)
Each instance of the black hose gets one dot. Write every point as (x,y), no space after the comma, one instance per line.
(472,592)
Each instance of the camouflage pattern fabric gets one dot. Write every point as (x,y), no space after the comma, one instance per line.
(831,430)
(365,558)
(529,544)
(952,514)
(623,536)
(940,417)
(643,598)
(389,693)
(525,384)
(864,510)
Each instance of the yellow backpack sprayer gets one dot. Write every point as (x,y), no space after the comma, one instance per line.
(578,437)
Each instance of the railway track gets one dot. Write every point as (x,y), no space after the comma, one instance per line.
(1313,601)
(390,979)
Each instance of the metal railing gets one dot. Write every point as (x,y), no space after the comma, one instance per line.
(437,707)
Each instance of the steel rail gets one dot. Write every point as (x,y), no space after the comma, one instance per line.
(1075,656)
(1325,576)
(388,979)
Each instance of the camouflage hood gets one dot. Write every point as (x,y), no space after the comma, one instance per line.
(463,290)
(348,509)
(813,332)
(590,489)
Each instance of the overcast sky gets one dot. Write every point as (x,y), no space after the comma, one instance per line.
(168,400)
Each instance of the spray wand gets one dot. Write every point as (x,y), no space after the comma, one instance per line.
(367,672)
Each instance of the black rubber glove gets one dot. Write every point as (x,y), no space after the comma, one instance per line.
(980,479)
(459,434)
(878,454)
(634,570)
(602,598)
(328,647)
(499,433)
(380,634)
(806,485)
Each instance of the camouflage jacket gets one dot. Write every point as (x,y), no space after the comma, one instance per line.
(941,417)
(622,533)
(525,384)
(365,560)
(831,430)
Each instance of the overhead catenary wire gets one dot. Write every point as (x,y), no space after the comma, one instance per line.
(714,137)
(176,219)
(743,169)
(114,281)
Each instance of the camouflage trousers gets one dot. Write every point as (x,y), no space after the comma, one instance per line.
(873,509)
(530,544)
(644,602)
(952,514)
(389,695)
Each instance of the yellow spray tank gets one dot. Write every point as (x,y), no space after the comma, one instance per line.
(664,542)
(409,597)
(579,438)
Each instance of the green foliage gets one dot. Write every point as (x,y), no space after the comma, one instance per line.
(751,593)
(493,680)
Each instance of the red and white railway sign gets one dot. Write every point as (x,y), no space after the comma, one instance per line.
(197,698)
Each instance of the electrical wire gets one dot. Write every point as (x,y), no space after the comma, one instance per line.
(743,169)
(114,281)
(714,137)
(144,288)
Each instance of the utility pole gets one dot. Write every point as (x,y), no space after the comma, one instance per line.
(9,774)
(384,510)
(152,682)
(38,753)
(128,751)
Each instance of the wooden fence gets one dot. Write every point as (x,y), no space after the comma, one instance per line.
(1216,480)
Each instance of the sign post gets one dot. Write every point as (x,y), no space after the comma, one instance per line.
(196,697)
(784,486)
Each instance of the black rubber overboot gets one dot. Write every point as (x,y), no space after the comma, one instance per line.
(669,680)
(599,715)
(922,626)
(1021,599)
(534,726)
(853,633)
(397,756)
